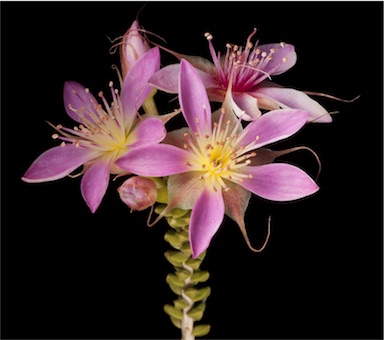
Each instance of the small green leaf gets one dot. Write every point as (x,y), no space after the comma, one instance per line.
(176,289)
(197,312)
(183,274)
(178,223)
(194,263)
(162,195)
(176,322)
(174,280)
(172,311)
(201,330)
(159,208)
(177,213)
(200,276)
(181,303)
(176,258)
(198,294)
(172,238)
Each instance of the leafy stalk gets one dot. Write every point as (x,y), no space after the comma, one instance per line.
(187,278)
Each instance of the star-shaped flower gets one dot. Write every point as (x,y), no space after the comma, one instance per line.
(215,165)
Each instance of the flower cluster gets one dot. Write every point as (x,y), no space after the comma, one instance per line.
(215,162)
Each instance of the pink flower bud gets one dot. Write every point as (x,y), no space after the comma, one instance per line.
(138,193)
(134,45)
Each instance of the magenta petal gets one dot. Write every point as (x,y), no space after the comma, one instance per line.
(135,86)
(82,101)
(56,163)
(278,182)
(193,99)
(94,184)
(206,218)
(148,131)
(295,99)
(273,126)
(155,160)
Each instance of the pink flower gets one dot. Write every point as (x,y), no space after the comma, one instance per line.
(103,134)
(138,193)
(213,165)
(133,46)
(247,71)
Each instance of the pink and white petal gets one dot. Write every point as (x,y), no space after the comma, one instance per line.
(155,160)
(148,131)
(236,202)
(247,104)
(283,58)
(273,126)
(290,98)
(184,189)
(135,87)
(94,184)
(278,182)
(177,137)
(206,218)
(57,163)
(193,99)
(81,101)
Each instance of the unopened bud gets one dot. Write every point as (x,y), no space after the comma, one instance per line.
(138,193)
(134,45)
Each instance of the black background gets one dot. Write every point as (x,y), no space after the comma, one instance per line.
(69,274)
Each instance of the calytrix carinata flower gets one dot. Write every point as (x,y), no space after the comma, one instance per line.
(247,71)
(214,165)
(104,133)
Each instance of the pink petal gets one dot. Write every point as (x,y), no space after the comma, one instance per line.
(166,79)
(82,101)
(206,218)
(290,98)
(193,99)
(148,131)
(282,60)
(135,86)
(94,184)
(57,162)
(244,103)
(278,182)
(273,126)
(155,160)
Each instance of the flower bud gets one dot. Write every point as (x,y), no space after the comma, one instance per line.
(138,193)
(134,45)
